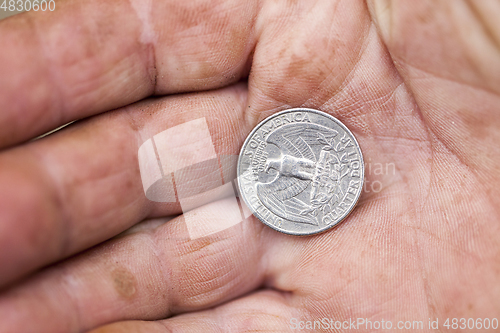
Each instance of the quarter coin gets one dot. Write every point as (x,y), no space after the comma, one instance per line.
(300,171)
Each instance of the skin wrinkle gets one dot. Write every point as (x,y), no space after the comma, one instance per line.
(431,308)
(444,78)
(435,170)
(163,324)
(400,62)
(35,123)
(386,98)
(449,245)
(202,256)
(191,18)
(82,99)
(364,47)
(63,220)
(437,137)
(427,139)
(164,263)
(284,100)
(49,64)
(431,303)
(348,110)
(106,175)
(89,47)
(228,64)
(108,214)
(196,297)
(301,62)
(330,32)
(153,70)
(426,121)
(348,80)
(139,126)
(148,37)
(173,303)
(412,97)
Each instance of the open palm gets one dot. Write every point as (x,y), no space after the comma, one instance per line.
(418,83)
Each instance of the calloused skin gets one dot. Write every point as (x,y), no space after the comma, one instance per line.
(417,82)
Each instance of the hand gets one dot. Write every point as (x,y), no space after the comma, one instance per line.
(416,82)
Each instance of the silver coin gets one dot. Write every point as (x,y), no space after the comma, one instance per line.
(300,171)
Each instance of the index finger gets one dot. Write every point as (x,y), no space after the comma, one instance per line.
(89,57)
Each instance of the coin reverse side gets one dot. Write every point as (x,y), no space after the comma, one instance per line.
(300,171)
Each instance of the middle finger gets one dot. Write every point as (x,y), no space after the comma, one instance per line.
(80,186)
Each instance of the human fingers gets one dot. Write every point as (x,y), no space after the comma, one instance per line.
(81,186)
(149,274)
(261,311)
(87,57)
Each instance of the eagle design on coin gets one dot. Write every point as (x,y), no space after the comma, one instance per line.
(300,171)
